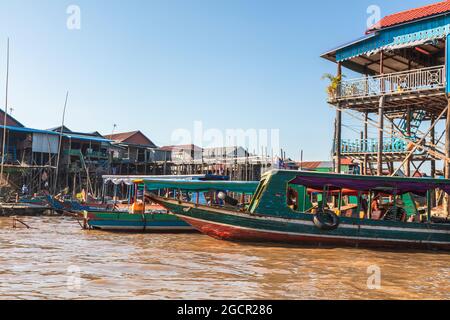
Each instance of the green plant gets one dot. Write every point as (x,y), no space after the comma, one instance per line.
(334,83)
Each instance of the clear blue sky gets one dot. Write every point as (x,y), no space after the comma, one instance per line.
(161,65)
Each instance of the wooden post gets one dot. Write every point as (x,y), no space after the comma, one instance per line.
(338,129)
(366,138)
(433,141)
(380,137)
(447,155)
(382,84)
(380,120)
(408,132)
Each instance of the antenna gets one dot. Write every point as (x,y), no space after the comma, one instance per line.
(6,114)
(114,128)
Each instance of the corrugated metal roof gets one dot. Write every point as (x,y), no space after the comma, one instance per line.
(185,147)
(136,138)
(66,135)
(310,165)
(412,15)
(120,137)
(28,130)
(86,138)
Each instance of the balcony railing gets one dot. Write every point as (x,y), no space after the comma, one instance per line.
(399,82)
(358,146)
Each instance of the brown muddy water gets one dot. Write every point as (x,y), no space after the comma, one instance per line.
(58,260)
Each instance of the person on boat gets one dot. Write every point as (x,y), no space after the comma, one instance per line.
(292,199)
(377,211)
(24,190)
(364,205)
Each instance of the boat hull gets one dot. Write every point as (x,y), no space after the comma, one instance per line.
(126,222)
(23,209)
(300,229)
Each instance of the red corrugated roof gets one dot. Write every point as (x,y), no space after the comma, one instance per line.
(133,137)
(413,14)
(120,137)
(310,165)
(346,162)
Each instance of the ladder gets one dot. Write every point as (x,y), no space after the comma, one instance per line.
(416,120)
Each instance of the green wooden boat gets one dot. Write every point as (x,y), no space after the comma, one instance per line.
(127,222)
(279,214)
(157,219)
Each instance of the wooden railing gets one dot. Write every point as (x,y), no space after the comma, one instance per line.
(399,82)
(390,145)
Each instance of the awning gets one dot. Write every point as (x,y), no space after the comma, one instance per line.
(396,38)
(203,186)
(129,180)
(396,46)
(387,185)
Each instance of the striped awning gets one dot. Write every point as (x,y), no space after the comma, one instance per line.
(407,36)
(396,46)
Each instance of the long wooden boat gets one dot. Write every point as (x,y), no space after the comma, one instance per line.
(127,222)
(23,209)
(271,217)
(154,218)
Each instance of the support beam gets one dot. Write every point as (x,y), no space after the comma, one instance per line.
(366,137)
(338,129)
(433,143)
(408,133)
(447,155)
(380,137)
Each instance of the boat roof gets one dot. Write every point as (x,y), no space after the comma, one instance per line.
(130,179)
(388,185)
(248,187)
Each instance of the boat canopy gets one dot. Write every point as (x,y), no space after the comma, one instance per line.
(387,185)
(129,180)
(201,186)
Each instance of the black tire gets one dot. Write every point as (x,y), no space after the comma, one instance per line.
(327,220)
(395,214)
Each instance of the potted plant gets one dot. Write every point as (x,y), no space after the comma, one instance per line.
(334,84)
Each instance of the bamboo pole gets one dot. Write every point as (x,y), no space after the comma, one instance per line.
(59,145)
(380,136)
(6,115)
(338,128)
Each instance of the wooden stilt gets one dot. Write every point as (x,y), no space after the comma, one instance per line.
(447,155)
(408,132)
(338,129)
(380,137)
(433,142)
(366,137)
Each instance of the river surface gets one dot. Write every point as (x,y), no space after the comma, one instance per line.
(58,260)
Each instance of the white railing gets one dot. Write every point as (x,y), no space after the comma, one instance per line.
(399,82)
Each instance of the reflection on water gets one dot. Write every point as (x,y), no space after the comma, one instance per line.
(58,260)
